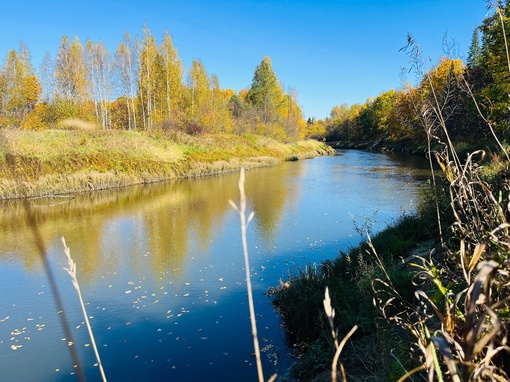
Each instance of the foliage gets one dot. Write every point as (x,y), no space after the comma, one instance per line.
(465,92)
(19,88)
(143,85)
(450,304)
(265,93)
(460,318)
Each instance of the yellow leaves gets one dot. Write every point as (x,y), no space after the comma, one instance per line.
(32,89)
(437,78)
(19,86)
(446,167)
(33,121)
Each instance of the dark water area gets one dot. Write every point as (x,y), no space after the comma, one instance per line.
(161,268)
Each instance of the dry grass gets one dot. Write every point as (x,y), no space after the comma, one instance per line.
(460,317)
(68,161)
(76,124)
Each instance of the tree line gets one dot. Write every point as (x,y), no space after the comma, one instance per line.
(472,95)
(143,85)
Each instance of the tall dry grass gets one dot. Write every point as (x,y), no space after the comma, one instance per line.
(71,270)
(241,210)
(460,317)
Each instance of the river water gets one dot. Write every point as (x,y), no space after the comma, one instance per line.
(161,268)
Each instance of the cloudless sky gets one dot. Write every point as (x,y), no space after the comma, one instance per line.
(332,52)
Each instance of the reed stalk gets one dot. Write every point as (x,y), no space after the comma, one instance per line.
(330,314)
(71,270)
(241,210)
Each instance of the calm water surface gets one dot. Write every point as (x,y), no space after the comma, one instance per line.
(162,273)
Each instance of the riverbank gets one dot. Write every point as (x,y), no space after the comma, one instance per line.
(397,289)
(349,278)
(53,162)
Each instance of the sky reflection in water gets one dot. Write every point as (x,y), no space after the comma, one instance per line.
(162,272)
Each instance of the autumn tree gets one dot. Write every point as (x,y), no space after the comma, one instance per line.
(149,71)
(221,119)
(199,89)
(407,111)
(293,121)
(71,79)
(19,87)
(173,73)
(384,119)
(100,71)
(47,77)
(338,124)
(125,67)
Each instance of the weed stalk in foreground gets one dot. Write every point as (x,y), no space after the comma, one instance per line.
(330,314)
(72,272)
(244,224)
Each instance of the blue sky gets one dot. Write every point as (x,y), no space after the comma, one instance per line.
(332,52)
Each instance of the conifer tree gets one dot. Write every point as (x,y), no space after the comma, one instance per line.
(265,93)
(495,77)
(474,58)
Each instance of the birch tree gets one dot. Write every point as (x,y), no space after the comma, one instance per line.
(173,71)
(47,77)
(125,63)
(71,85)
(148,57)
(99,79)
(199,85)
(19,87)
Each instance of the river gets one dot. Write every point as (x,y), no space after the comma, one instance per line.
(161,268)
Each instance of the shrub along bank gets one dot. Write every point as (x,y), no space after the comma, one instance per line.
(54,162)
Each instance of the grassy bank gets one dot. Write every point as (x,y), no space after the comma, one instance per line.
(299,300)
(67,161)
(428,296)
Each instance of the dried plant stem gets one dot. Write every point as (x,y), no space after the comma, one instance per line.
(498,10)
(244,223)
(330,314)
(72,272)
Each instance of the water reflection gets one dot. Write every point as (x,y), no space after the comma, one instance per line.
(165,217)
(161,267)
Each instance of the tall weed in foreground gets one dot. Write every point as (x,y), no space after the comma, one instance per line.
(460,318)
(241,210)
(71,270)
(330,314)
